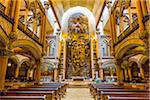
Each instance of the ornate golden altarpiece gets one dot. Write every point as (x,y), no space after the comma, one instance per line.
(78,58)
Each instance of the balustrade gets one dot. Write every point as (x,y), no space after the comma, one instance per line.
(127,32)
(2,8)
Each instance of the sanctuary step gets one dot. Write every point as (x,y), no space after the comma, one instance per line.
(78,78)
(79,84)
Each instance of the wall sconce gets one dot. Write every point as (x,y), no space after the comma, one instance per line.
(9,64)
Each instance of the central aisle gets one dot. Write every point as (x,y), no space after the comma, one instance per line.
(77,93)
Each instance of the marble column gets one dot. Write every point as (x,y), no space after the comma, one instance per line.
(57,44)
(17,71)
(64,60)
(111,71)
(126,74)
(26,17)
(121,25)
(35,26)
(143,6)
(141,71)
(7,9)
(92,62)
(28,73)
(98,43)
(111,26)
(114,27)
(102,74)
(16,15)
(3,68)
(13,8)
(43,32)
(130,16)
(55,74)
(98,49)
(139,14)
(38,71)
(119,72)
(130,75)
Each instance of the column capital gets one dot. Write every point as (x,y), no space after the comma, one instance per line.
(46,5)
(5,52)
(108,3)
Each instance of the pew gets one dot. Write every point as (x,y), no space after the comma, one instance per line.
(61,91)
(99,91)
(104,94)
(122,90)
(56,90)
(127,98)
(62,86)
(93,87)
(118,90)
(95,92)
(23,98)
(49,94)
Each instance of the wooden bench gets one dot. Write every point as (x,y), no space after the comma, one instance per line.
(127,98)
(23,98)
(117,90)
(96,92)
(124,94)
(62,86)
(56,90)
(93,87)
(122,90)
(61,91)
(49,94)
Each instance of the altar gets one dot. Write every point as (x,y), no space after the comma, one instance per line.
(78,78)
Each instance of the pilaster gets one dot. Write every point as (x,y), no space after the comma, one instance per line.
(130,75)
(17,71)
(38,71)
(143,6)
(141,71)
(119,72)
(3,68)
(139,14)
(16,15)
(55,74)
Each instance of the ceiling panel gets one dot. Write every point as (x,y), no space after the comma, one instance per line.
(63,5)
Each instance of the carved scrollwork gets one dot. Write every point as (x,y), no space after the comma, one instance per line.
(5,52)
(117,17)
(12,37)
(144,35)
(78,23)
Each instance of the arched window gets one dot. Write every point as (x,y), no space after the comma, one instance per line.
(105,48)
(52,46)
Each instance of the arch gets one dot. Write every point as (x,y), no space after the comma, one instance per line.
(15,59)
(23,70)
(135,70)
(143,59)
(74,10)
(11,68)
(29,45)
(109,63)
(24,60)
(52,47)
(139,59)
(48,62)
(127,45)
(105,47)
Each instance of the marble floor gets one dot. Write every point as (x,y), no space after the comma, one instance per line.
(78,94)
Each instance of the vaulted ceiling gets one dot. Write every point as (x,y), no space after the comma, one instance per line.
(61,6)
